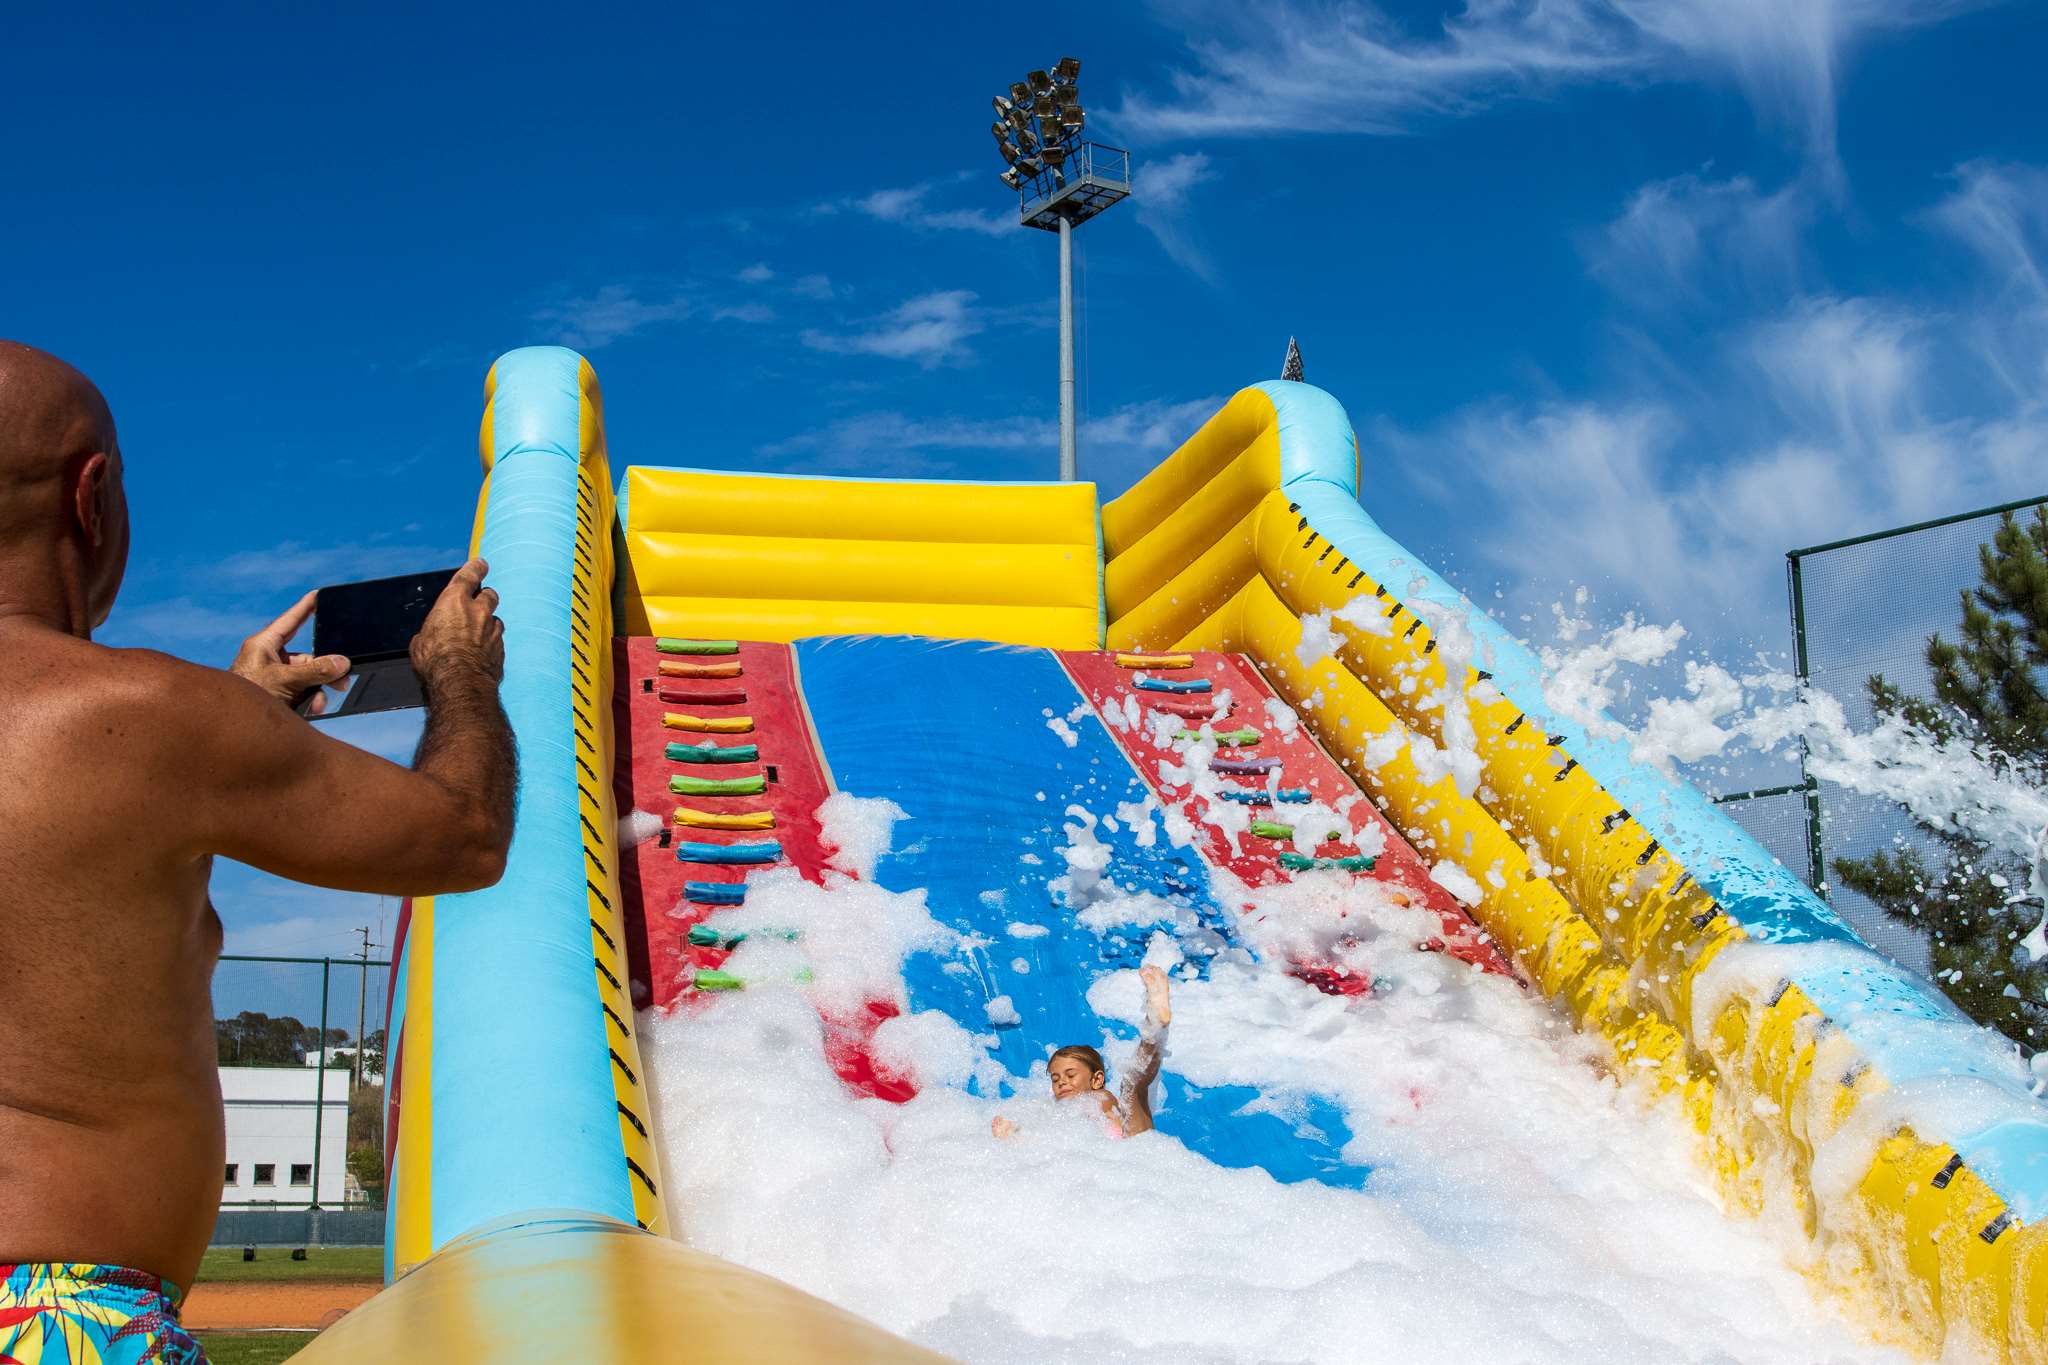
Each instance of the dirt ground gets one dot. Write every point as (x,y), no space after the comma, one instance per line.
(319,1304)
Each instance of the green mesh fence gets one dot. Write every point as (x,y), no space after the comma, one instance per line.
(1866,606)
(288,1135)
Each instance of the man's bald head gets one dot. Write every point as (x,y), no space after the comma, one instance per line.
(61,504)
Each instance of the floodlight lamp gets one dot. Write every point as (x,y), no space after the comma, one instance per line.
(999,130)
(1040,82)
(1055,156)
(1013,178)
(1068,69)
(1026,139)
(1066,96)
(1030,166)
(1071,121)
(1009,152)
(1020,93)
(1002,106)
(1043,106)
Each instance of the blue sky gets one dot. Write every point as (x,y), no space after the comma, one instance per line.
(1621,294)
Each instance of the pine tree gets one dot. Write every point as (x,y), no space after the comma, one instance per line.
(1988,691)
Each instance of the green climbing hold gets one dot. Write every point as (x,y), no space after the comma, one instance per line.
(1266,829)
(1302,862)
(666,645)
(717,981)
(682,785)
(1229,739)
(704,936)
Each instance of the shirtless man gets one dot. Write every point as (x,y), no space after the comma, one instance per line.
(123,772)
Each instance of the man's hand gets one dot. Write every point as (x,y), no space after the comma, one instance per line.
(288,677)
(462,632)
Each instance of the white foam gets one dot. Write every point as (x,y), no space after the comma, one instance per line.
(857,830)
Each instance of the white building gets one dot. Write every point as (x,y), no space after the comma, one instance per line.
(271,1135)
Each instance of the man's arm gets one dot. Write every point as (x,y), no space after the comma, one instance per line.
(1137,1096)
(268,789)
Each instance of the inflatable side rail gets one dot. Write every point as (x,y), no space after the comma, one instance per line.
(1911,1141)
(524,1205)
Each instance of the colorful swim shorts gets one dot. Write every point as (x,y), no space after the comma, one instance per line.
(90,1315)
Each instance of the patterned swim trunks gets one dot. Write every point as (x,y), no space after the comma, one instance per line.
(90,1315)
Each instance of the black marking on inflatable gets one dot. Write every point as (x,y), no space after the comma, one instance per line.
(1565,771)
(634,1167)
(595,890)
(580,695)
(1380,590)
(579,654)
(613,1015)
(1327,547)
(591,854)
(620,1062)
(585,743)
(1429,645)
(577,592)
(1643,858)
(1340,566)
(608,941)
(1413,626)
(1313,536)
(1778,993)
(1620,817)
(1555,740)
(606,973)
(774,774)
(1684,880)
(647,684)
(1354,580)
(1294,507)
(587,825)
(1854,1074)
(633,1119)
(661,840)
(588,797)
(1394,611)
(585,766)
(1484,676)
(1947,1172)
(1997,1225)
(1705,917)
(1516,723)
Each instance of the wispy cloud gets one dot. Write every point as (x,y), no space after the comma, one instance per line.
(1688,237)
(615,311)
(757,273)
(1115,448)
(1353,68)
(1161,194)
(745,312)
(930,329)
(812,287)
(910,206)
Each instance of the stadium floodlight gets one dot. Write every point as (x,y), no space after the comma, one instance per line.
(1061,182)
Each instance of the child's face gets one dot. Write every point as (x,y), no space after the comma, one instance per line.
(1071,1076)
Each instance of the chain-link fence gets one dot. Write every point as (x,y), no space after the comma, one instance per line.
(301,1049)
(1861,607)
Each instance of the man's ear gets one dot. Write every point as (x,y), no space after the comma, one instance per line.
(89,494)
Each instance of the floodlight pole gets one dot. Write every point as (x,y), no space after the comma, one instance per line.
(1069,456)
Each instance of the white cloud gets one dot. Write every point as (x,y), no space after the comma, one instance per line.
(613,312)
(745,312)
(1161,192)
(910,206)
(757,273)
(1354,68)
(931,329)
(1689,238)
(812,286)
(1115,448)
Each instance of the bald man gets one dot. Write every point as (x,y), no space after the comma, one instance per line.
(123,773)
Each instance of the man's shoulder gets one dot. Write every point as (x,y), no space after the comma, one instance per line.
(137,689)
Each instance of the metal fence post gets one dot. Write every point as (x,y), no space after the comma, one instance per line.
(320,1081)
(1816,853)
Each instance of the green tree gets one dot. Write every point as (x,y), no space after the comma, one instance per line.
(1987,690)
(366,1164)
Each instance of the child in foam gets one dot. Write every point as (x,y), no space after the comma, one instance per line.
(1077,1071)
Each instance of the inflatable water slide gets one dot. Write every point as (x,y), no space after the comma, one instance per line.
(1232,649)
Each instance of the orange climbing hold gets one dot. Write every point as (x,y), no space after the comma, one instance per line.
(682,668)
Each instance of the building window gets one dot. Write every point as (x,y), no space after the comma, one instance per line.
(302,1173)
(266,1173)
(234,1174)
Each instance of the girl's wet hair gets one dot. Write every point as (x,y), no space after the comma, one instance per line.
(1082,1053)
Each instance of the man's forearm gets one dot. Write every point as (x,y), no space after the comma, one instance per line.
(467,748)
